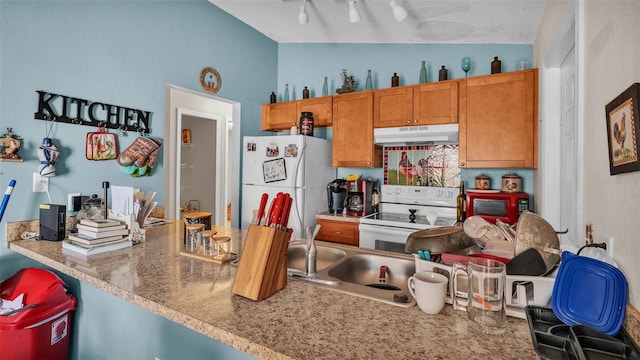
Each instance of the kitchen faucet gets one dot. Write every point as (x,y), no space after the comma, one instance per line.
(312,252)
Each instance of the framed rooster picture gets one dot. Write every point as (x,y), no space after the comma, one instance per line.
(622,131)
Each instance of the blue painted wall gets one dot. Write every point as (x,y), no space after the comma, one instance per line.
(123,53)
(119,53)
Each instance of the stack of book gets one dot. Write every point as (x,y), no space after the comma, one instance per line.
(98,236)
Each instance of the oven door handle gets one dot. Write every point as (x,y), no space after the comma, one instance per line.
(385,230)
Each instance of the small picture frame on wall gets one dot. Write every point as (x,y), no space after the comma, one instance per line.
(623,135)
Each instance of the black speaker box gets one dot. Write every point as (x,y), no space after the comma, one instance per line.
(52,222)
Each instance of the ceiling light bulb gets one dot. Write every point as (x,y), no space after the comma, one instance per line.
(354,14)
(398,11)
(303,17)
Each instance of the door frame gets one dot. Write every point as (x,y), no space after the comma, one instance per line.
(178,97)
(547,185)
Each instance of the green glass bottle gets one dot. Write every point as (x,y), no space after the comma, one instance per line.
(325,87)
(423,72)
(368,85)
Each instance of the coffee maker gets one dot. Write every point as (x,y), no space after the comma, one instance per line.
(336,195)
(358,200)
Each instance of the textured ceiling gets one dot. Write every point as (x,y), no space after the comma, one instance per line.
(428,22)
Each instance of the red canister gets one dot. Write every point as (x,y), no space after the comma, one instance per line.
(306,123)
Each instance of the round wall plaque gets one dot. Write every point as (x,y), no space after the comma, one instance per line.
(210,80)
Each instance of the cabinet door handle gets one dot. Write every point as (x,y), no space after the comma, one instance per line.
(462,163)
(416,121)
(337,232)
(408,121)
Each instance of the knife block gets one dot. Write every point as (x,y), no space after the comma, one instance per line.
(262,270)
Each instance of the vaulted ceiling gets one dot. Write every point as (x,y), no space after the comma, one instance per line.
(428,21)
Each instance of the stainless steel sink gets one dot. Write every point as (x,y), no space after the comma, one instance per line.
(326,256)
(354,271)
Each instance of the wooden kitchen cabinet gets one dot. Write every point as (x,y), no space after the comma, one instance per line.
(321,107)
(342,232)
(279,116)
(435,103)
(499,121)
(423,104)
(353,144)
(393,107)
(283,115)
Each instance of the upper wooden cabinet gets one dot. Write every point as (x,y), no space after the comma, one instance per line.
(435,103)
(499,121)
(353,131)
(393,107)
(283,115)
(279,116)
(424,104)
(321,107)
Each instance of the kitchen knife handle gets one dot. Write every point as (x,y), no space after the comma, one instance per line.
(276,209)
(268,219)
(263,204)
(286,211)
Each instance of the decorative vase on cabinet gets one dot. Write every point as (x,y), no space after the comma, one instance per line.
(325,87)
(286,92)
(368,85)
(423,73)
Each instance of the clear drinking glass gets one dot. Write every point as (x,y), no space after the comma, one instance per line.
(466,65)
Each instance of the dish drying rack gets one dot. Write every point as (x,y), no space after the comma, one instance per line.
(520,290)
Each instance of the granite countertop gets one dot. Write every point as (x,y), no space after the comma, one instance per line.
(338,217)
(301,321)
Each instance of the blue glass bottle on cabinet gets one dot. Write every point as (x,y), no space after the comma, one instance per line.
(286,92)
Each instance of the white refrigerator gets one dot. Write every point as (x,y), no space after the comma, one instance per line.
(295,164)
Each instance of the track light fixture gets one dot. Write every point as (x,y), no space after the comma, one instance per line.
(398,11)
(303,17)
(354,14)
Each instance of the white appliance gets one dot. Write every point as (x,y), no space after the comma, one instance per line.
(444,133)
(295,164)
(389,229)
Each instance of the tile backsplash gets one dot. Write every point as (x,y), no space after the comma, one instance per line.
(422,165)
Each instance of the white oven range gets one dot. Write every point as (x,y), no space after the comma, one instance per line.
(389,229)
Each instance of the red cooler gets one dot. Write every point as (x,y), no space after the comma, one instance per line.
(43,330)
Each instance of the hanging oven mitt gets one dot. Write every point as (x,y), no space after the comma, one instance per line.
(145,170)
(138,152)
(101,145)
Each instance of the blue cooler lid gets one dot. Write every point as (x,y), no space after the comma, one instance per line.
(589,292)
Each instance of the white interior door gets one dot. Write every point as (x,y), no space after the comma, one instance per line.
(568,153)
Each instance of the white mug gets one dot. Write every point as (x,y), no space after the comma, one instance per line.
(429,289)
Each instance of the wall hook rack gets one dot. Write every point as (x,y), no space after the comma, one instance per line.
(73,110)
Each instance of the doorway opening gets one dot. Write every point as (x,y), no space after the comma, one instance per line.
(198,169)
(559,183)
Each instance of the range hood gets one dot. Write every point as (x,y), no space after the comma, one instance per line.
(407,135)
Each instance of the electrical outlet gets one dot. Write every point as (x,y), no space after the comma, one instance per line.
(40,183)
(608,239)
(73,202)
